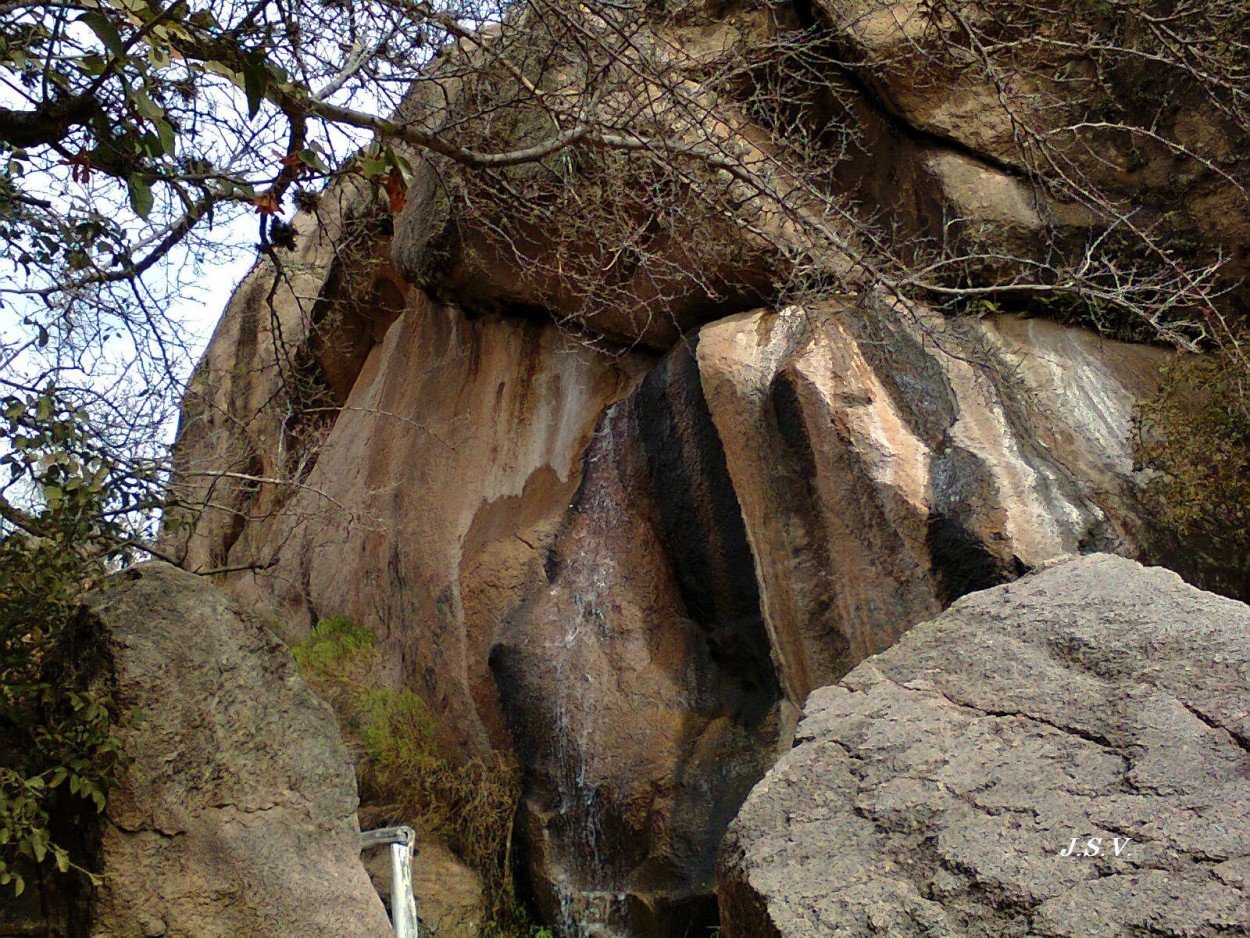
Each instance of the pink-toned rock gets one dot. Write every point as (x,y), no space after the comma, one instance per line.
(636,583)
(630,564)
(426,511)
(782,488)
(887,461)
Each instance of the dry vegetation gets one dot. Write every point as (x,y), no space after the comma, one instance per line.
(404,775)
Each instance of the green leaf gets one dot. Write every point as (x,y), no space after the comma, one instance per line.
(255,80)
(154,145)
(104,29)
(166,131)
(312,158)
(92,64)
(145,105)
(140,195)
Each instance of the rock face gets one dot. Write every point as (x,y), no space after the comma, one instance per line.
(983,113)
(613,504)
(426,509)
(935,789)
(766,509)
(774,500)
(238,812)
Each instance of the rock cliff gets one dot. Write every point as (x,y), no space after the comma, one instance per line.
(648,564)
(620,511)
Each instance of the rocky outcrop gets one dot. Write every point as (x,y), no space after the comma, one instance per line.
(779,497)
(608,501)
(1092,98)
(887,461)
(237,813)
(426,509)
(941,786)
(773,503)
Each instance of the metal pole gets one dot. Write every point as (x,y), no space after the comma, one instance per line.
(403,902)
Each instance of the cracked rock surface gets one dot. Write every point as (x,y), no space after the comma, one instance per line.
(238,813)
(936,788)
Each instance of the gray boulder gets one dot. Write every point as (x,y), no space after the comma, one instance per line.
(1066,755)
(238,814)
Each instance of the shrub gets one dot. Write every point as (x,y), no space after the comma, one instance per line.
(60,533)
(401,769)
(1194,435)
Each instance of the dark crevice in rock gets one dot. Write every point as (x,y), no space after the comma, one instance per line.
(814,562)
(749,909)
(699,519)
(244,354)
(1067,729)
(240,517)
(551,558)
(503,308)
(961,562)
(856,78)
(1098,538)
(805,13)
(1241,741)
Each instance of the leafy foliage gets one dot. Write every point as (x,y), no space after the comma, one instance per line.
(57,725)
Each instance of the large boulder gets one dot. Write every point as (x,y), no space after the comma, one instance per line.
(611,241)
(237,813)
(1062,756)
